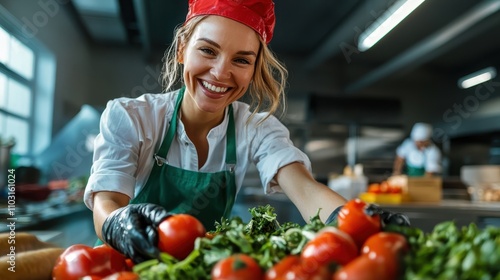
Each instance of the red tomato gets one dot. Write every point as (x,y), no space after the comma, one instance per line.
(384,187)
(124,275)
(388,248)
(329,245)
(280,269)
(355,221)
(374,188)
(177,234)
(303,272)
(384,243)
(237,267)
(292,267)
(363,268)
(80,260)
(397,189)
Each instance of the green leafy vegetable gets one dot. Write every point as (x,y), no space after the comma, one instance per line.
(263,238)
(449,252)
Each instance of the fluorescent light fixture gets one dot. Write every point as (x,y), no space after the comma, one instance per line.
(385,23)
(477,77)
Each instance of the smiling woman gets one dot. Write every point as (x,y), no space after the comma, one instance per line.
(188,150)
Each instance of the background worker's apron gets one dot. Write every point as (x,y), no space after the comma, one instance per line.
(207,196)
(416,171)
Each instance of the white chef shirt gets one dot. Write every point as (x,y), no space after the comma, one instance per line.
(131,131)
(429,158)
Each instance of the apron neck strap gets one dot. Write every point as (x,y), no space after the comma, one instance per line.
(170,134)
(231,141)
(230,133)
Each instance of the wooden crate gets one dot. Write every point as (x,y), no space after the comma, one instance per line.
(420,189)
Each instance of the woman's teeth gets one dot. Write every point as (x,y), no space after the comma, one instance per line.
(214,88)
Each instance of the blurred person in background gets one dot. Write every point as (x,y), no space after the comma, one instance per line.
(418,155)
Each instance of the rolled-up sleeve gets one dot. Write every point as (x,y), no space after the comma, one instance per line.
(272,149)
(115,153)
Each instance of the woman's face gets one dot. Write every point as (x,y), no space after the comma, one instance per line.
(219,62)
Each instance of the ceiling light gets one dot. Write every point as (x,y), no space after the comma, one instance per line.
(477,77)
(385,23)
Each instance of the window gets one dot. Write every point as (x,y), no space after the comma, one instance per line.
(27,78)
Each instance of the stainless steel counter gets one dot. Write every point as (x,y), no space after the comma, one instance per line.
(427,215)
(492,208)
(422,215)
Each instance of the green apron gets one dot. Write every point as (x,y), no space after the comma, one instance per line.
(414,171)
(207,196)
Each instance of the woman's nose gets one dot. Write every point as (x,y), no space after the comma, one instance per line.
(221,69)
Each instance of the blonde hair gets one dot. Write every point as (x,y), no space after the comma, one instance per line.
(267,89)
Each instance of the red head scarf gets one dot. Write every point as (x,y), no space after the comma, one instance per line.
(257,14)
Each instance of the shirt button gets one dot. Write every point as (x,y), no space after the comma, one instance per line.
(186,143)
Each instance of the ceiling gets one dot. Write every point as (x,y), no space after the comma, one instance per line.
(451,37)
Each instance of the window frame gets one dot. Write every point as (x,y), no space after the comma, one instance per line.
(42,86)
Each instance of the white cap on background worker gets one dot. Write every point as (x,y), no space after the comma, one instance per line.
(421,132)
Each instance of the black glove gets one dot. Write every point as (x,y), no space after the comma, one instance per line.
(333,216)
(133,230)
(389,218)
(386,216)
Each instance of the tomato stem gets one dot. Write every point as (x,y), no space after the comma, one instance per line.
(239,264)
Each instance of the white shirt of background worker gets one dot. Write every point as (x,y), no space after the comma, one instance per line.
(418,153)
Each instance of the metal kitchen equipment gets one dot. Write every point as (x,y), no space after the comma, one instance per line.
(483,181)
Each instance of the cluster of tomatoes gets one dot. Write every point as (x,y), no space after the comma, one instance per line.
(356,249)
(92,263)
(176,237)
(384,187)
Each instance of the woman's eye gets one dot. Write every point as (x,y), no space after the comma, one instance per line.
(207,51)
(242,60)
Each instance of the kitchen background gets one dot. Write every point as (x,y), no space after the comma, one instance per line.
(345,106)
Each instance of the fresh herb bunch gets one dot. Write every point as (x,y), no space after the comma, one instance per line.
(449,252)
(262,238)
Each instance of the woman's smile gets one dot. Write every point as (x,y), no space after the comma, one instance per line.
(214,88)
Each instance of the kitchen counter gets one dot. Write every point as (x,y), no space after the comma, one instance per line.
(35,214)
(422,215)
(456,205)
(70,223)
(426,215)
